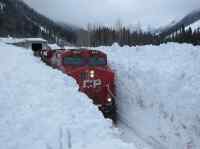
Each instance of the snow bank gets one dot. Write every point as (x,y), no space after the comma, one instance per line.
(158,92)
(41,108)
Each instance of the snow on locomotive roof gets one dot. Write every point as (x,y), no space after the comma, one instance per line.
(84,49)
(80,50)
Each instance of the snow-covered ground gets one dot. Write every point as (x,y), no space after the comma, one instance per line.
(158,93)
(41,108)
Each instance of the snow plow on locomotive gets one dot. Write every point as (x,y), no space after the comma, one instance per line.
(90,70)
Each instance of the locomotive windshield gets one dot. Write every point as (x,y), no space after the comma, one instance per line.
(73,61)
(95,61)
(79,61)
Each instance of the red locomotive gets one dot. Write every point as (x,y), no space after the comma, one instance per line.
(90,69)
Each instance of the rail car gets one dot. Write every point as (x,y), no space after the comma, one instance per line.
(90,70)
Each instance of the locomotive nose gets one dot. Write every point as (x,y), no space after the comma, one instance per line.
(94,82)
(90,79)
(98,84)
(87,74)
(92,73)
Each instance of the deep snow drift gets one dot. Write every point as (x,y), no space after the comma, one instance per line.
(158,93)
(41,108)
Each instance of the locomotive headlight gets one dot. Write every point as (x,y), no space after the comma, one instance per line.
(109,99)
(92,73)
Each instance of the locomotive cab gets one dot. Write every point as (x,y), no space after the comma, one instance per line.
(93,75)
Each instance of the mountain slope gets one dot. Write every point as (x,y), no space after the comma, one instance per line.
(185,21)
(194,26)
(19,20)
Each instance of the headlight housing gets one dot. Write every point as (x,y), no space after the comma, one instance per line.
(109,99)
(92,73)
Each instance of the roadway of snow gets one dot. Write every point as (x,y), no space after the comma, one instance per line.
(158,93)
(41,108)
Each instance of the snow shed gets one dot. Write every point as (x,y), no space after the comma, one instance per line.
(35,44)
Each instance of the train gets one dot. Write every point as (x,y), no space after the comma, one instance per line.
(91,71)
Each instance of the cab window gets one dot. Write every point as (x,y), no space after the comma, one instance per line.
(95,61)
(75,60)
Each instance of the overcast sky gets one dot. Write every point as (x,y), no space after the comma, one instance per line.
(147,12)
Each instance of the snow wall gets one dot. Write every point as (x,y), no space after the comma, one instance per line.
(41,108)
(158,92)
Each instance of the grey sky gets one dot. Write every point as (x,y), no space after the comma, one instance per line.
(148,12)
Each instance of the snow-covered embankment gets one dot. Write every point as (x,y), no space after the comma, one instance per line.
(41,108)
(158,93)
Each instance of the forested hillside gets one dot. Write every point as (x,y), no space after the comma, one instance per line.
(19,20)
(184,22)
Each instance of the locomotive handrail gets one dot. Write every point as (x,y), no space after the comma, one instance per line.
(110,92)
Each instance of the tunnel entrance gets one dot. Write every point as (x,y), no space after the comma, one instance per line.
(36,47)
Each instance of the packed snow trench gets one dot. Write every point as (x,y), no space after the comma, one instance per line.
(41,108)
(158,94)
